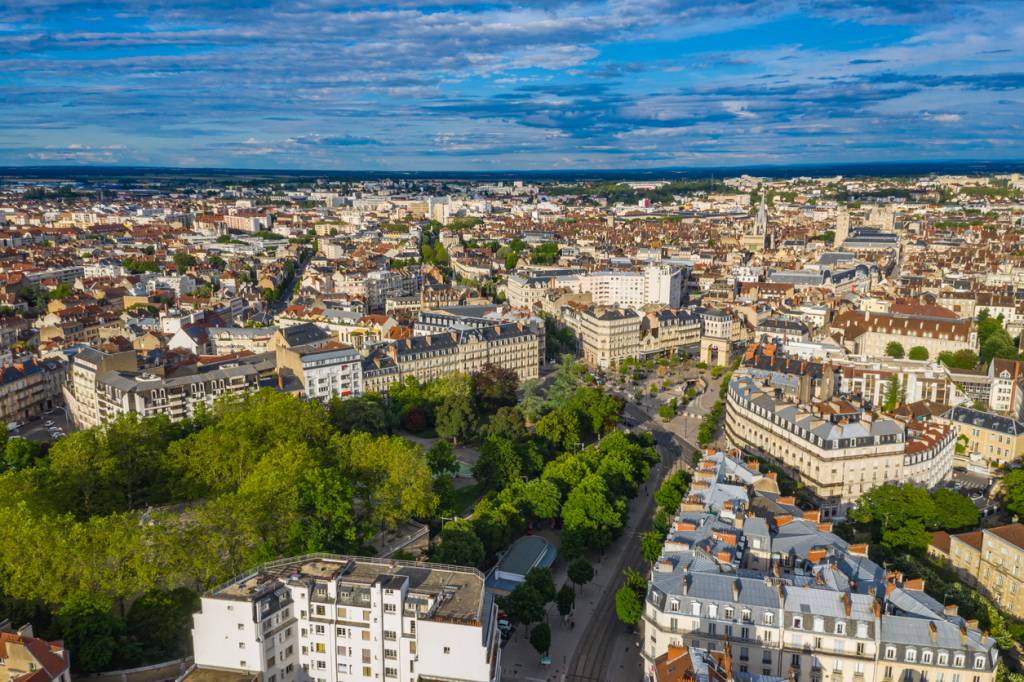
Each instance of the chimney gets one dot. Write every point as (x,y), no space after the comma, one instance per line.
(858,550)
(736,589)
(686,584)
(972,624)
(932,630)
(951,610)
(812,515)
(847,604)
(963,635)
(917,585)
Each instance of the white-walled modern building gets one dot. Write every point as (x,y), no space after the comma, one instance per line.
(330,618)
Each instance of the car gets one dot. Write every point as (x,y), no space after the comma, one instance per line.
(49,422)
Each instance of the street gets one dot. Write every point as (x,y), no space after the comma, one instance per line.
(600,648)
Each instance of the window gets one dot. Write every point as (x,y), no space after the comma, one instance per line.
(695,608)
(745,614)
(390,636)
(241,626)
(958,661)
(979,662)
(911,656)
(728,612)
(321,665)
(390,672)
(798,622)
(769,618)
(674,605)
(390,608)
(890,653)
(321,648)
(840,627)
(926,656)
(391,653)
(943,658)
(860,648)
(819,624)
(447,649)
(241,645)
(319,610)
(319,629)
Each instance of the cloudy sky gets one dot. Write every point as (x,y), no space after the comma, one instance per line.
(424,85)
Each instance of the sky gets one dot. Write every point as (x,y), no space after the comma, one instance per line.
(432,85)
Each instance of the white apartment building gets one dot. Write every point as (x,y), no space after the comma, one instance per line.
(655,284)
(607,335)
(325,371)
(330,618)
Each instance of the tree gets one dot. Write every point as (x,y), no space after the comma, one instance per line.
(91,631)
(507,423)
(541,498)
(589,517)
(961,359)
(566,600)
(366,413)
(494,387)
(540,638)
(441,459)
(523,605)
(1013,492)
(953,511)
(629,599)
(651,544)
(62,290)
(456,419)
(580,571)
(892,394)
(918,353)
(160,621)
(561,428)
(540,579)
(898,515)
(392,479)
(894,349)
(183,261)
(459,545)
(20,453)
(499,464)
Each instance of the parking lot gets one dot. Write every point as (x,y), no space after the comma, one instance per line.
(46,428)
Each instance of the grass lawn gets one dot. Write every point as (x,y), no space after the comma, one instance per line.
(466,496)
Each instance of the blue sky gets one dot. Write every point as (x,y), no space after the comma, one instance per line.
(431,85)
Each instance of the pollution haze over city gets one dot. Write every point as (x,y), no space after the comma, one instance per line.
(532,85)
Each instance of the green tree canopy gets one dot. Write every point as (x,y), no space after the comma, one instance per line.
(629,599)
(894,349)
(540,638)
(918,353)
(459,545)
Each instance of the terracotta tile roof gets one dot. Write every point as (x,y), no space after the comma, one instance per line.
(1012,533)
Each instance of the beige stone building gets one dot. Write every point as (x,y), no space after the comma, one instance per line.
(836,448)
(991,560)
(868,333)
(607,335)
(990,439)
(513,346)
(27,658)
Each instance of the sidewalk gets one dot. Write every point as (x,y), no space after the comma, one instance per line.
(520,661)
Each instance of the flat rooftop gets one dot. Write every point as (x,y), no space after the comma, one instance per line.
(458,591)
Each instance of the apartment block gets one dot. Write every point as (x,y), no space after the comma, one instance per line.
(325,372)
(835,446)
(990,439)
(330,618)
(990,560)
(28,388)
(103,386)
(746,572)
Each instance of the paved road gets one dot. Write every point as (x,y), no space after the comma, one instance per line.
(607,651)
